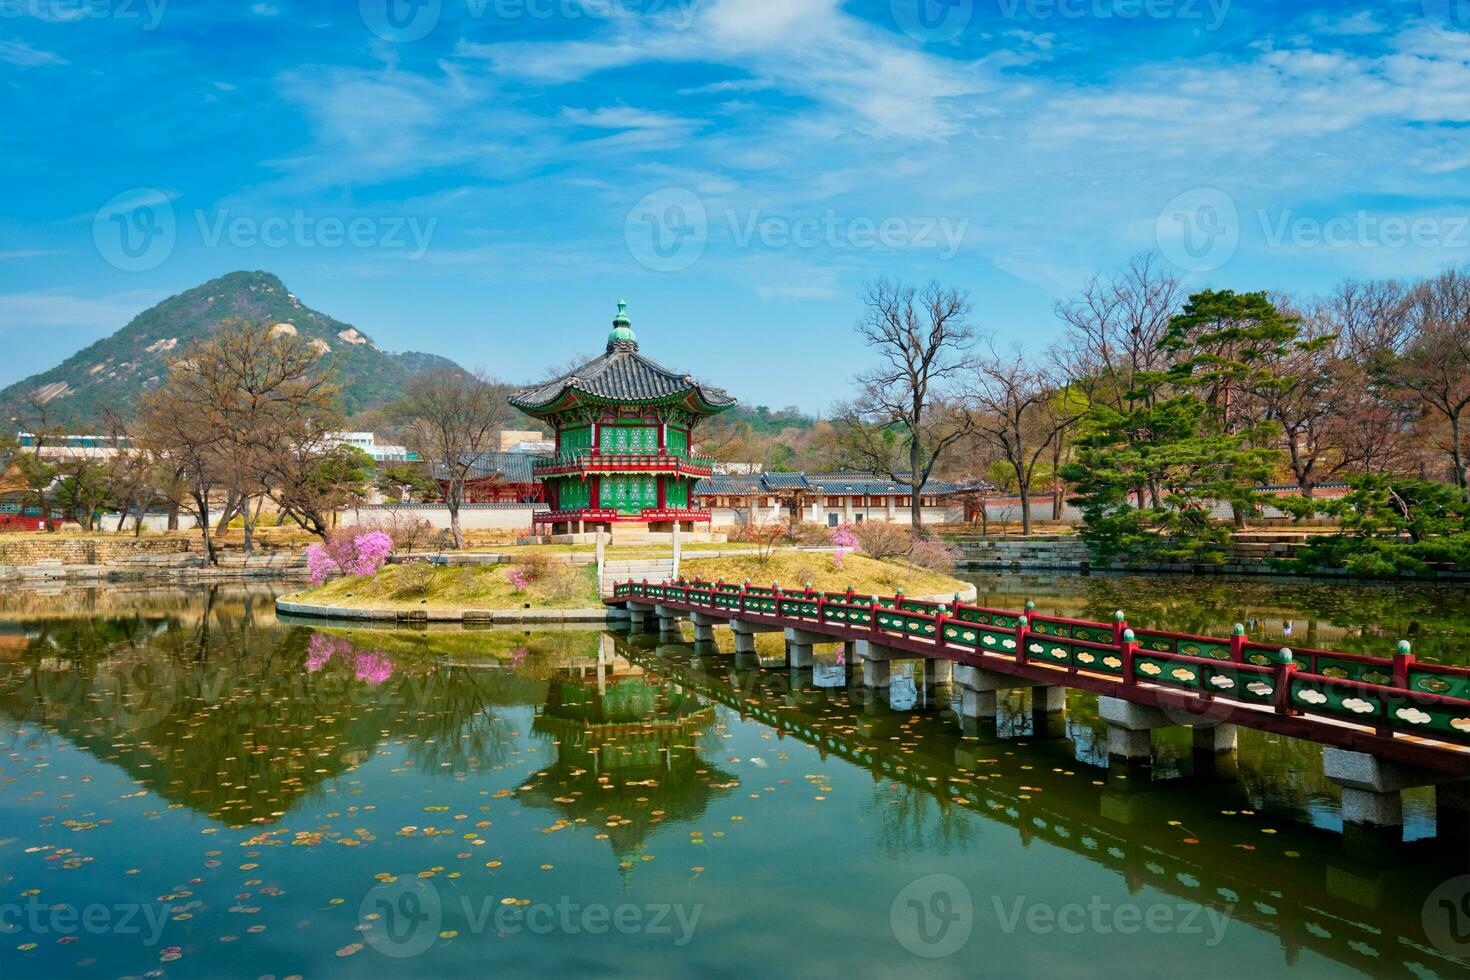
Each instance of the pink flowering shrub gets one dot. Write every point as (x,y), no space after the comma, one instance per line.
(846,540)
(519,579)
(362,554)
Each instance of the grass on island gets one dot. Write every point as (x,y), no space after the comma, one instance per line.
(793,569)
(420,586)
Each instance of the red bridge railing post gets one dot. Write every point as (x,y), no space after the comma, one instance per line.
(1120,626)
(1237,643)
(1402,661)
(1284,672)
(1129,649)
(1022,632)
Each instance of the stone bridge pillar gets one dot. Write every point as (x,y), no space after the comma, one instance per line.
(638,614)
(799,645)
(1131,726)
(745,633)
(875,657)
(1372,792)
(704,627)
(979,692)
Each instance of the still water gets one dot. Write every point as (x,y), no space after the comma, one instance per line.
(189,787)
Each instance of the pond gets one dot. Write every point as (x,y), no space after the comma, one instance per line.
(190,787)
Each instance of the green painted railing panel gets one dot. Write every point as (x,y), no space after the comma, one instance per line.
(1157,670)
(1048,650)
(1430,682)
(1356,670)
(1239,683)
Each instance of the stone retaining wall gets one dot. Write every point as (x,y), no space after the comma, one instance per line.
(477,616)
(1250,555)
(31,549)
(162,567)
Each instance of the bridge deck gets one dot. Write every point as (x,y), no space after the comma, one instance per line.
(1399,709)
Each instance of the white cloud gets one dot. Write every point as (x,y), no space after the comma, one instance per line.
(62,308)
(24,56)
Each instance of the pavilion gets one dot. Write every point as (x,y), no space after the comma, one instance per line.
(624,434)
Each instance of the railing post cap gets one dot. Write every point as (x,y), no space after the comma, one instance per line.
(1030,606)
(1118,616)
(1129,636)
(1405,647)
(1239,629)
(1286,655)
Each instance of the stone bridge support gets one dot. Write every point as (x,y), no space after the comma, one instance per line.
(1372,792)
(745,633)
(668,619)
(704,627)
(638,613)
(979,692)
(799,645)
(1131,726)
(875,658)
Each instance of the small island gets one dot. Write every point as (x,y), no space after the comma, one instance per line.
(544,586)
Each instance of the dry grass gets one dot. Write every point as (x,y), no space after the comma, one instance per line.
(423,586)
(793,569)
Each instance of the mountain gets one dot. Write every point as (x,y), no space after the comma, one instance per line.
(111,372)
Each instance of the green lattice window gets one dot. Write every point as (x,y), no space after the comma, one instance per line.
(629,494)
(678,439)
(677,494)
(628,438)
(575,495)
(576,438)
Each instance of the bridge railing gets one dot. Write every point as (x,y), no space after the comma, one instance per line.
(1392,696)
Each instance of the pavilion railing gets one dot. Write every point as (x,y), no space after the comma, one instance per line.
(625,459)
(1395,695)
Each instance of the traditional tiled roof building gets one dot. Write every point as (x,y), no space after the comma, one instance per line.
(624,429)
(824,498)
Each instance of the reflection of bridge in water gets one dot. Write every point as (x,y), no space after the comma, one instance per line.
(1361,908)
(1391,725)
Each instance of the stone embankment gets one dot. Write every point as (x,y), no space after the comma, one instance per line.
(42,559)
(1250,554)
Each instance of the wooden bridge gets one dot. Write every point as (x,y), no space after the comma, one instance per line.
(1390,724)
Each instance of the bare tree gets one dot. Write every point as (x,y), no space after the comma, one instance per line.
(1015,405)
(906,410)
(1435,364)
(246,410)
(451,419)
(1115,327)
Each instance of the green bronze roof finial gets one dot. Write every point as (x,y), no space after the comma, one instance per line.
(622,332)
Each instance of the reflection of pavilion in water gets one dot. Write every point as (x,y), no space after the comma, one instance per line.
(627,752)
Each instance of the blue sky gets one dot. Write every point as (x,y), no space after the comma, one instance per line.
(486,178)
